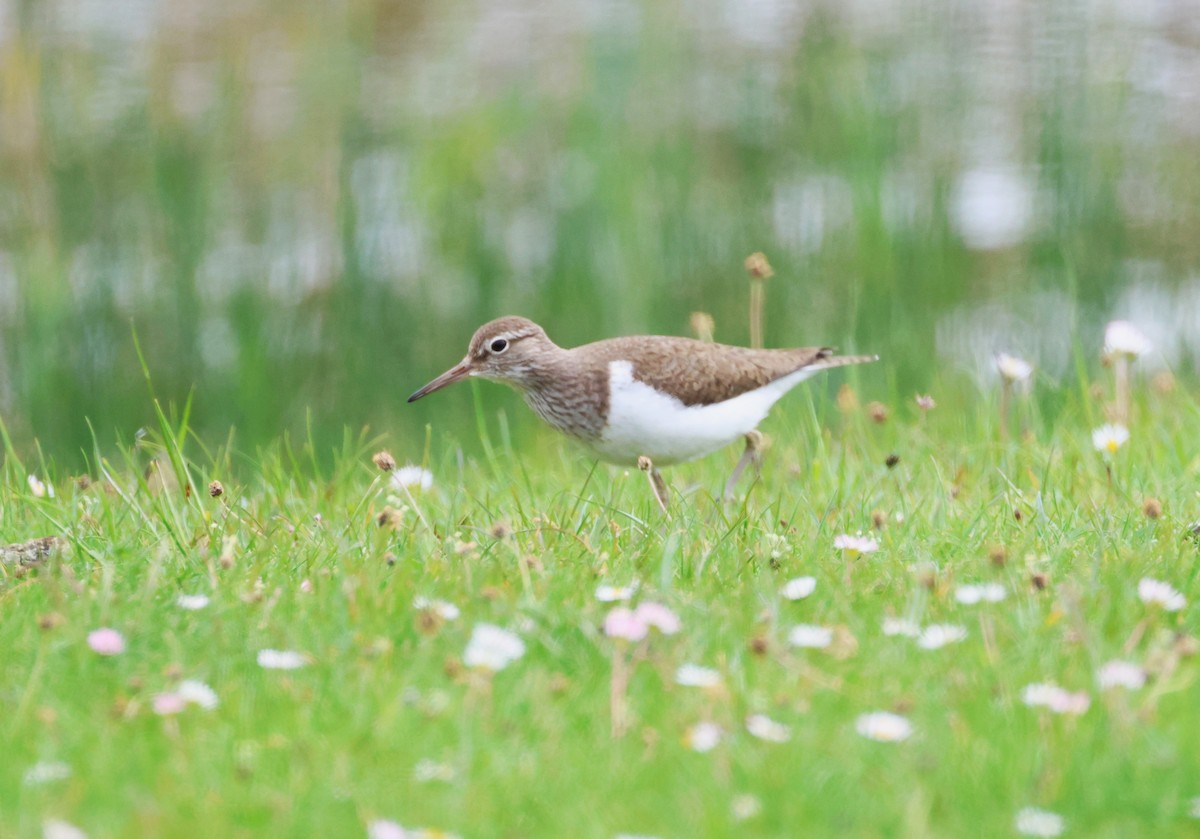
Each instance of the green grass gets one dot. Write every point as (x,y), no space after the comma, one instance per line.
(325,749)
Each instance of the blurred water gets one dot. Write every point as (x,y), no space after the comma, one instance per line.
(309,207)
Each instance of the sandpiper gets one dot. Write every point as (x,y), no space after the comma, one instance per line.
(645,400)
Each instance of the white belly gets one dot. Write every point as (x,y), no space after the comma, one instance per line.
(642,421)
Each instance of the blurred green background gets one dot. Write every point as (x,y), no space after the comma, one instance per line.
(305,208)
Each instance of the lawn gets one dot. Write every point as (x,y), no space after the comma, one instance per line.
(996,582)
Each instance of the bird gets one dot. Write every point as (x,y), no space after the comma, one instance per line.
(645,400)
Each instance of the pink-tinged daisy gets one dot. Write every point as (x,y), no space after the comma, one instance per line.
(280,659)
(765,728)
(925,402)
(703,736)
(1034,822)
(693,675)
(883,727)
(799,588)
(168,704)
(624,624)
(1121,674)
(855,545)
(492,648)
(385,829)
(443,609)
(1158,593)
(106,641)
(657,616)
(1056,699)
(807,635)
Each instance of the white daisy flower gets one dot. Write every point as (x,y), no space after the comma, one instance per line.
(900,626)
(1034,822)
(613,594)
(765,728)
(280,659)
(1013,369)
(441,608)
(1158,593)
(197,693)
(58,829)
(808,635)
(1121,674)
(703,736)
(855,545)
(1056,699)
(969,595)
(428,770)
(938,635)
(1123,338)
(799,588)
(192,602)
(39,489)
(1194,808)
(884,727)
(693,675)
(412,477)
(45,772)
(745,806)
(1109,438)
(492,648)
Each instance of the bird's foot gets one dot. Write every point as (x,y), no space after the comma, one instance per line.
(656,480)
(756,444)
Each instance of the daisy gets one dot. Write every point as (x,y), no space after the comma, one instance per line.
(1109,438)
(492,648)
(412,477)
(58,829)
(192,602)
(106,641)
(693,675)
(1157,593)
(925,402)
(884,727)
(765,728)
(39,489)
(745,806)
(938,635)
(612,594)
(703,736)
(1123,338)
(625,624)
(659,617)
(855,545)
(900,626)
(168,704)
(985,593)
(443,609)
(799,588)
(46,772)
(280,659)
(1013,369)
(1121,674)
(1056,699)
(808,635)
(1034,822)
(197,693)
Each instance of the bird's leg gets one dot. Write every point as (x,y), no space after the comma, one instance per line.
(755,445)
(656,480)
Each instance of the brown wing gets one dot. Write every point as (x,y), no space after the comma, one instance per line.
(700,373)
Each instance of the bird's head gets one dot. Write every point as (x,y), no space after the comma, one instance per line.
(504,350)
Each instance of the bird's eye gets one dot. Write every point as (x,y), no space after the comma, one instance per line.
(499,345)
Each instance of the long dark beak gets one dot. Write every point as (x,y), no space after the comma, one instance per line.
(458,371)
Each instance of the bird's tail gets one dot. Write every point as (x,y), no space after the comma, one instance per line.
(840,361)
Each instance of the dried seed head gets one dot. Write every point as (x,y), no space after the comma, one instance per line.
(215,489)
(878,519)
(384,461)
(501,530)
(703,326)
(1039,580)
(998,555)
(50,620)
(1017,514)
(759,645)
(892,460)
(878,412)
(1152,508)
(644,463)
(1163,382)
(847,399)
(758,268)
